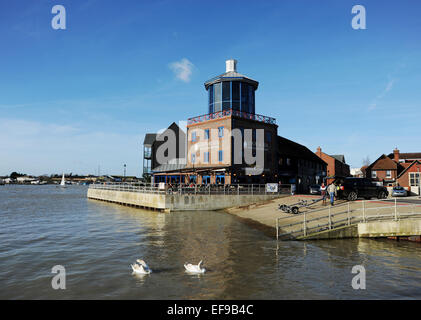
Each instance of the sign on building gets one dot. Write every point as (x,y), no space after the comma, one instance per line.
(271,187)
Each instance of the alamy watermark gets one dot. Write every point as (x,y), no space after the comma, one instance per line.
(59,280)
(204,146)
(358,281)
(59,20)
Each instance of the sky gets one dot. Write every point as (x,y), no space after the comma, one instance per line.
(81,99)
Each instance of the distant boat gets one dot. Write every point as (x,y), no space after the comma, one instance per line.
(63,182)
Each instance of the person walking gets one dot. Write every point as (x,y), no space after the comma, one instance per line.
(323,192)
(331,189)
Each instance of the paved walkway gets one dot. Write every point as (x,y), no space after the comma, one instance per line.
(317,214)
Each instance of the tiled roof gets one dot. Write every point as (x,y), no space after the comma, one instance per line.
(407,155)
(408,165)
(172,165)
(384,163)
(294,149)
(339,157)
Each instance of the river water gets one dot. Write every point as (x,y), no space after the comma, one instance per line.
(44,226)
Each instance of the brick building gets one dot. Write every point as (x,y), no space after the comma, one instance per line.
(336,165)
(397,169)
(220,144)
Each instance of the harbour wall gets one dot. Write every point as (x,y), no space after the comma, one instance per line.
(177,202)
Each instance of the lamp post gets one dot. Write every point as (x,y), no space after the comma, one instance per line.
(124,171)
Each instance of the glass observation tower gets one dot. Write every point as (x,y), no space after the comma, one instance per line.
(231,90)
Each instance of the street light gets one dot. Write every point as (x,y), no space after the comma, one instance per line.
(124,171)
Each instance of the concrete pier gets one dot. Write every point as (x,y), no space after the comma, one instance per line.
(177,202)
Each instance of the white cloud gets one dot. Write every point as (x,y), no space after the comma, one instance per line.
(183,69)
(380,96)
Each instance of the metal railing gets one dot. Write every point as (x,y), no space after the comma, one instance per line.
(347,217)
(231,112)
(211,189)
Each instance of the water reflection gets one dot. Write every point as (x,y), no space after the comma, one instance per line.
(97,241)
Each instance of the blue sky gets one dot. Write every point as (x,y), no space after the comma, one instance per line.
(72,100)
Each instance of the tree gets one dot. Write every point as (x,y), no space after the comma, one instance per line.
(366,161)
(14,175)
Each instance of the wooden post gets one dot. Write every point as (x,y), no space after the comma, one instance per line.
(349,220)
(305,225)
(251,189)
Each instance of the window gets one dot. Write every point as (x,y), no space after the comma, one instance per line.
(244,97)
(220,156)
(211,99)
(389,174)
(206,134)
(288,161)
(193,136)
(235,87)
(220,132)
(217,97)
(414,179)
(226,95)
(193,158)
(206,157)
(374,174)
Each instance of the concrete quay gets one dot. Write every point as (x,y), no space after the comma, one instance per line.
(177,202)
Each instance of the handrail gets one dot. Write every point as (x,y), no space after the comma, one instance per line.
(397,214)
(231,112)
(225,189)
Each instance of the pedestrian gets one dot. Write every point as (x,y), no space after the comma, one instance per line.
(331,189)
(323,192)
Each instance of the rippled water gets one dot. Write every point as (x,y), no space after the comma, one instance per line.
(43,226)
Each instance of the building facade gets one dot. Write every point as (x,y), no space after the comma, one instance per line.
(397,168)
(231,143)
(336,165)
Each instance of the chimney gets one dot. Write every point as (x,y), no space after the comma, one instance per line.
(231,65)
(396,155)
(319,151)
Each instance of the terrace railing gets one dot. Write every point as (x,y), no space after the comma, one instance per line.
(231,112)
(211,189)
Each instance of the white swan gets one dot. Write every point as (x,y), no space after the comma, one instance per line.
(141,267)
(194,268)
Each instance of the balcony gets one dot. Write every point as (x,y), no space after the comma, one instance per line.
(233,113)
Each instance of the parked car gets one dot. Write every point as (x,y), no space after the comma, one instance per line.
(399,192)
(354,188)
(315,189)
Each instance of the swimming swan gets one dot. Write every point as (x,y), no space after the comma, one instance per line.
(194,268)
(140,267)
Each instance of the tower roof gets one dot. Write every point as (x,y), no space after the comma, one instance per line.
(231,74)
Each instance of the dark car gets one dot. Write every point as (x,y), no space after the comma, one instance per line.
(354,188)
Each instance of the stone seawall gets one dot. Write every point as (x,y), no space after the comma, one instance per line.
(177,202)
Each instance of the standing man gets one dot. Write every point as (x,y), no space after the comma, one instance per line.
(331,189)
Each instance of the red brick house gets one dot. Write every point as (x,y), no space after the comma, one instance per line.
(397,168)
(336,165)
